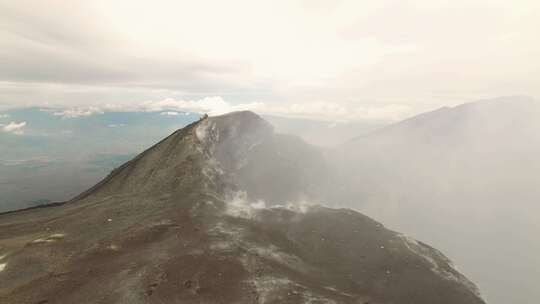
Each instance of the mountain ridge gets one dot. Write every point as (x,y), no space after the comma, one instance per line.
(176,225)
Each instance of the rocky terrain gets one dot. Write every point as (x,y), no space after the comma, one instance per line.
(213,214)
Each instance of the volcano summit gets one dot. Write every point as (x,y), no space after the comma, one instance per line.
(214,213)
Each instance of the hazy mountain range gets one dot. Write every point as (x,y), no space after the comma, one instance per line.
(464,179)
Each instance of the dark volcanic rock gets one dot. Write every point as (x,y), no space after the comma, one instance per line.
(170,227)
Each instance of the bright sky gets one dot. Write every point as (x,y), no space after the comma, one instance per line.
(330,59)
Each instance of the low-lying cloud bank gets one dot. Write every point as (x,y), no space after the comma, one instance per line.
(78,112)
(216,105)
(16,128)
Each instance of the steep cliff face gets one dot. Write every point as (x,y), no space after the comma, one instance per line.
(212,214)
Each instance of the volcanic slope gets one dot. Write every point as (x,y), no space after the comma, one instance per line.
(184,222)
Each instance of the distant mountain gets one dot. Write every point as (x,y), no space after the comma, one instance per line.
(323,133)
(464,178)
(187,221)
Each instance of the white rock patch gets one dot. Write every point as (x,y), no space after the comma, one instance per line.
(2,265)
(51,238)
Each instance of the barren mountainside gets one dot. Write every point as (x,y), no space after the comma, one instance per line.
(462,178)
(213,214)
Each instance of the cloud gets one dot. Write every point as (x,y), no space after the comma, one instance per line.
(14,127)
(116,125)
(170,113)
(216,105)
(78,112)
(44,45)
(364,56)
(4,115)
(379,51)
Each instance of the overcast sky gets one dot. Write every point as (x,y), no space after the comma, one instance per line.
(338,60)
